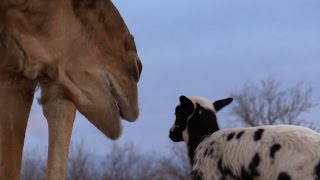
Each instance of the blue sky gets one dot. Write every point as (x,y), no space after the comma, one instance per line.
(208,48)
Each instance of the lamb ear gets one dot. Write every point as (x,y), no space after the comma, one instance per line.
(186,102)
(218,105)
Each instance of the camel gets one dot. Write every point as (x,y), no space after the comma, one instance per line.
(82,56)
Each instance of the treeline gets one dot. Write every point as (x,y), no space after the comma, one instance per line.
(123,162)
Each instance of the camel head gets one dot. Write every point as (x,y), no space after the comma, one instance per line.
(85,48)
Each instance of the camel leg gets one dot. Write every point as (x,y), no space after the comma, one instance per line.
(60,114)
(15,105)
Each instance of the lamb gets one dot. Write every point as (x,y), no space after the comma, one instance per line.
(274,152)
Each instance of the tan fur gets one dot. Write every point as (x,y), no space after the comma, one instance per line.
(83,57)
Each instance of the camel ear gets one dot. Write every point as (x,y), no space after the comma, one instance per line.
(218,105)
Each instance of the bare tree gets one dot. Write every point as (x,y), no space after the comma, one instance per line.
(175,166)
(32,168)
(127,163)
(80,166)
(268,104)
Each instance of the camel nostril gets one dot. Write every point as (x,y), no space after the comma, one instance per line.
(139,64)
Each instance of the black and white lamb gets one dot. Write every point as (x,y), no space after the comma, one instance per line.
(275,152)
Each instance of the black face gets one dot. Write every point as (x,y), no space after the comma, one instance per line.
(182,113)
(202,123)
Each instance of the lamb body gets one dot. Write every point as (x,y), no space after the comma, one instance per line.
(275,152)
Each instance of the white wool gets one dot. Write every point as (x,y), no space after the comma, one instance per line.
(205,103)
(298,156)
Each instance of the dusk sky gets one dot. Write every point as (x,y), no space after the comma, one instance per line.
(207,48)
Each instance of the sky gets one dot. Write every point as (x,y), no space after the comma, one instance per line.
(206,48)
